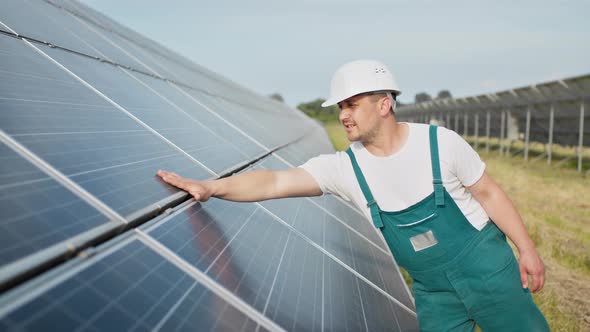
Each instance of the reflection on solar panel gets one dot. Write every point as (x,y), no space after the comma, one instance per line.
(91,239)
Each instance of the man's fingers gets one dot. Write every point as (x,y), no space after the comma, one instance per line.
(162,173)
(524,276)
(538,282)
(173,179)
(190,186)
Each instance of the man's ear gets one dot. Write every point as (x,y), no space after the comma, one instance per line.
(384,106)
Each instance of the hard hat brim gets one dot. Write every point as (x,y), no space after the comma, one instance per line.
(331,102)
(336,100)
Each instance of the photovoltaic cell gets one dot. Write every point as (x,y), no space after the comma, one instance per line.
(81,134)
(132,288)
(205,144)
(36,212)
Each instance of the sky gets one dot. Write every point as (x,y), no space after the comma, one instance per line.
(293,47)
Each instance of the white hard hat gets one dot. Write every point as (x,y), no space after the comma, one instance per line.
(358,77)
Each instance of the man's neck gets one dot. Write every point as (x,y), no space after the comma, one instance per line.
(391,138)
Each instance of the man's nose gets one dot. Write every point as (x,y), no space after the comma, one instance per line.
(343,113)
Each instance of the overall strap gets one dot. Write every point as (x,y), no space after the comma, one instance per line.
(371,204)
(439,196)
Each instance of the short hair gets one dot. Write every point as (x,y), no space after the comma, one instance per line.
(381,94)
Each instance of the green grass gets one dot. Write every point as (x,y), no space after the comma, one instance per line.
(553,202)
(337,135)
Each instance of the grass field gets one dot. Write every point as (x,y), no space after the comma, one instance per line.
(553,202)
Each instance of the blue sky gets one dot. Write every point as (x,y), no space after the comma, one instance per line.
(293,48)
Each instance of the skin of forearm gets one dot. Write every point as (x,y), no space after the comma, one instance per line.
(502,211)
(253,186)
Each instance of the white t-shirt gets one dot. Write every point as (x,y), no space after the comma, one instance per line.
(405,178)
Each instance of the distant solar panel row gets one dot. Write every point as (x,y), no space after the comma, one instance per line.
(554,107)
(89,111)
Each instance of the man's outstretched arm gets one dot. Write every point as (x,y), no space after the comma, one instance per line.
(501,210)
(252,186)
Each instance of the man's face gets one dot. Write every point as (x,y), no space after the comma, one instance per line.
(360,117)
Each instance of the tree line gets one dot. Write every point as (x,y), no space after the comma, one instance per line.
(315,110)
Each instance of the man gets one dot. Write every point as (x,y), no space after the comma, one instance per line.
(443,217)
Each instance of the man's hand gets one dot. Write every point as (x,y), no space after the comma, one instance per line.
(200,190)
(531,264)
(253,186)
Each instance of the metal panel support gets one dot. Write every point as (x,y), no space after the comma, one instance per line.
(502,128)
(581,138)
(466,125)
(488,117)
(550,144)
(527,134)
(507,134)
(476,126)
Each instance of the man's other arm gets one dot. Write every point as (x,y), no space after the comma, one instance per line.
(252,186)
(501,210)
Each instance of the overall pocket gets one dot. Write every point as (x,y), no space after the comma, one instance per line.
(414,223)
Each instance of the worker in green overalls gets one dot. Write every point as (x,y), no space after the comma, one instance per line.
(426,190)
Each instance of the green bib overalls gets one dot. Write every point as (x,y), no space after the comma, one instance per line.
(461,275)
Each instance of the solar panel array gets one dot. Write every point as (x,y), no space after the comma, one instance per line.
(551,112)
(91,239)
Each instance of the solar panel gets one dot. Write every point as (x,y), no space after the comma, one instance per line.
(274,128)
(243,248)
(37,212)
(42,21)
(91,239)
(82,135)
(129,287)
(144,97)
(309,146)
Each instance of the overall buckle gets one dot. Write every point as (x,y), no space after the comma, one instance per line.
(439,195)
(375,215)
